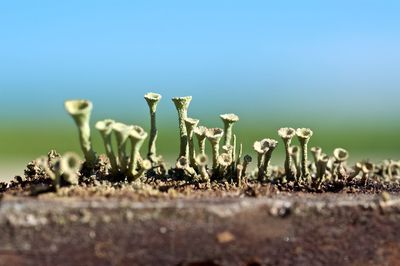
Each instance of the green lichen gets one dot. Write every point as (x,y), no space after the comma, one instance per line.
(80,111)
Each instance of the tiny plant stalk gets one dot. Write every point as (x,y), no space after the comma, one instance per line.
(321,167)
(239,174)
(294,153)
(229,120)
(152,100)
(287,133)
(234,150)
(190,124)
(246,161)
(214,135)
(261,147)
(105,129)
(81,110)
(137,136)
(316,152)
(182,105)
(201,162)
(304,135)
(268,154)
(200,133)
(122,132)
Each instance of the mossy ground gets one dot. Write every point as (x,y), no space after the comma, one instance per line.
(175,185)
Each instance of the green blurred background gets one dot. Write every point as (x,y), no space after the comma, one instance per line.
(330,66)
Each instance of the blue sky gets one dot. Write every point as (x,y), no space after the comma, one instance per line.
(311,58)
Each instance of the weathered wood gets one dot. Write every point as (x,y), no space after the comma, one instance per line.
(326,229)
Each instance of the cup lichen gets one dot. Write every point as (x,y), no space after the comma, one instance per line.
(191,124)
(80,111)
(137,135)
(287,134)
(200,133)
(122,132)
(214,135)
(304,135)
(323,173)
(105,127)
(152,100)
(229,120)
(182,105)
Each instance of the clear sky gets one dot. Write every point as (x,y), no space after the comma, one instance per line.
(299,57)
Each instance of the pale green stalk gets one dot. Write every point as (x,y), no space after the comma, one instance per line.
(214,135)
(271,143)
(182,105)
(304,135)
(137,136)
(200,133)
(229,120)
(122,132)
(105,128)
(152,100)
(191,124)
(81,110)
(287,133)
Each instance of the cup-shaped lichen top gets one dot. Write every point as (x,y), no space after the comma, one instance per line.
(304,134)
(368,167)
(316,151)
(286,132)
(182,163)
(340,154)
(70,162)
(261,146)
(324,158)
(200,132)
(247,158)
(214,135)
(182,105)
(105,127)
(136,135)
(70,165)
(271,143)
(152,100)
(191,124)
(81,110)
(201,160)
(227,148)
(229,120)
(122,132)
(182,102)
(224,160)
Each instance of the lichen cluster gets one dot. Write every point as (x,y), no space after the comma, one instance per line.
(127,162)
